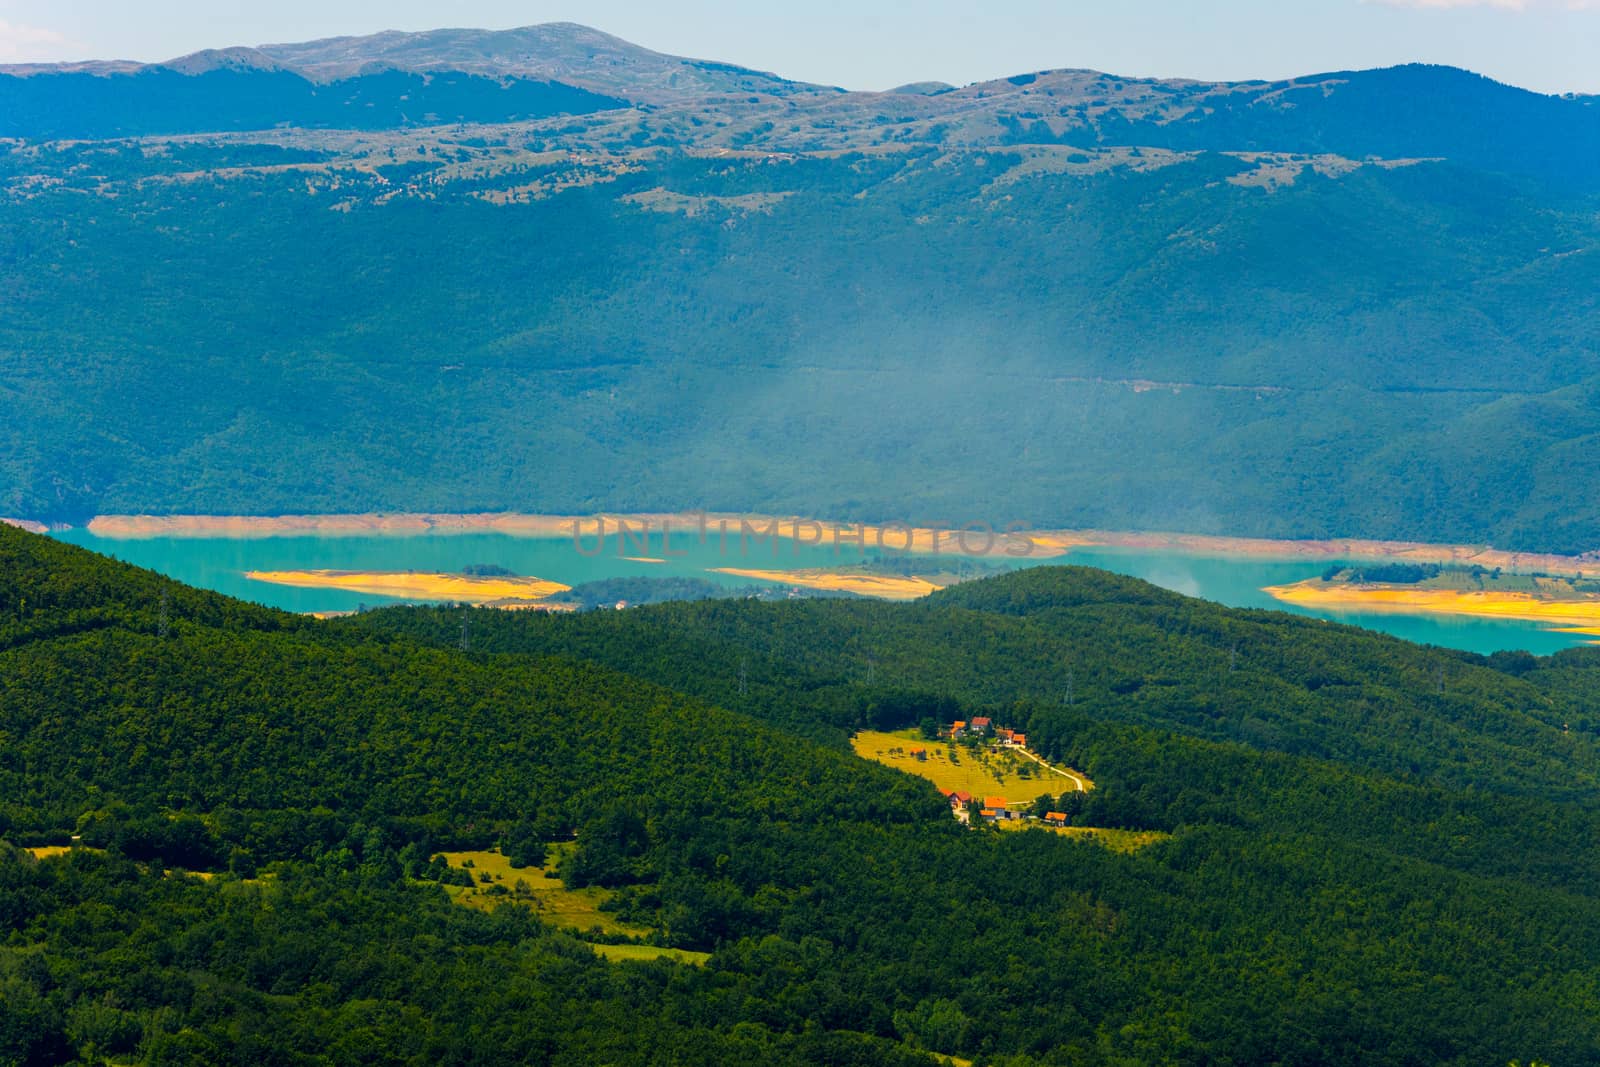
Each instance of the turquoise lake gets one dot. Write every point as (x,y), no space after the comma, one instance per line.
(220,563)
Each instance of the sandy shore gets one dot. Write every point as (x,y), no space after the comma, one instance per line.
(1579,614)
(884,587)
(1032,544)
(417,585)
(26,524)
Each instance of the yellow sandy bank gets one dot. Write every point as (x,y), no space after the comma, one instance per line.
(416,584)
(1343,596)
(885,587)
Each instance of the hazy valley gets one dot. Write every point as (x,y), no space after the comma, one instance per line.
(338,726)
(1314,312)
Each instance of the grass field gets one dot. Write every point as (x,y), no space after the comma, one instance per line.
(572,909)
(982,773)
(996,773)
(44,852)
(651,952)
(1115,840)
(577,910)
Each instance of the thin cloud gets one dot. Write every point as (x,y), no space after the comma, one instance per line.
(19,44)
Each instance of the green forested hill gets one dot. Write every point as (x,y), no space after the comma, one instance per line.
(1086,644)
(1419,893)
(1359,304)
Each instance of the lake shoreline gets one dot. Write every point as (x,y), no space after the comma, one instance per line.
(1571,614)
(1229,571)
(1039,544)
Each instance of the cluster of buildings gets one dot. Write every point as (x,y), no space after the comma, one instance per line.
(993,809)
(982,726)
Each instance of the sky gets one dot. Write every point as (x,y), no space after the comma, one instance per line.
(1546,45)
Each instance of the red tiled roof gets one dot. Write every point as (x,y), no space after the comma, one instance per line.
(981,720)
(994,802)
(988,813)
(1055,816)
(963,796)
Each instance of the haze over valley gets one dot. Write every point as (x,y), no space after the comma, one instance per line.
(519,548)
(551,271)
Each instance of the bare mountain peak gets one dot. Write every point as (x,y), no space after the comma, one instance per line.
(554,51)
(933,88)
(211,59)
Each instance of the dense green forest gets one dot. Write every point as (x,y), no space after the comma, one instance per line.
(1379,853)
(1361,305)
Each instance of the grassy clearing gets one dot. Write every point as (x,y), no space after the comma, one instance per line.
(985,773)
(981,772)
(651,952)
(538,888)
(44,852)
(575,910)
(1116,840)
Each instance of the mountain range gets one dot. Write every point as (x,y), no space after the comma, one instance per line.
(545,269)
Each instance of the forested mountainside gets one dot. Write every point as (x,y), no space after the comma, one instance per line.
(1370,852)
(168,101)
(550,271)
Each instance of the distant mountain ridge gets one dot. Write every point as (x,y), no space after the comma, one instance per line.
(558,51)
(547,270)
(386,80)
(564,68)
